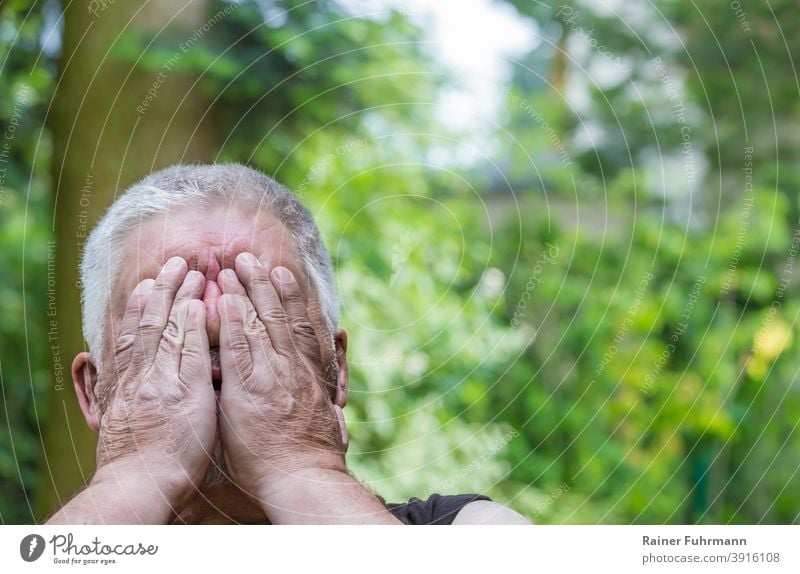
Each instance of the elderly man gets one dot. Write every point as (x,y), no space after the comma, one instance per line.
(217,373)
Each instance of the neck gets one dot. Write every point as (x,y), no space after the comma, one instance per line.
(224,504)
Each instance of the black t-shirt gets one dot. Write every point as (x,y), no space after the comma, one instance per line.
(437,509)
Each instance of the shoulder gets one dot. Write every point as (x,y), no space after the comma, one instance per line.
(454,509)
(488,512)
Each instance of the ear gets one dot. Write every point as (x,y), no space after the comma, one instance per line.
(84,377)
(340,400)
(342,382)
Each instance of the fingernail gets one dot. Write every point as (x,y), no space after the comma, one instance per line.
(195,279)
(145,286)
(247,259)
(282,275)
(223,278)
(174,264)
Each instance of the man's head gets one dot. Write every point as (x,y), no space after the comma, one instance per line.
(207,214)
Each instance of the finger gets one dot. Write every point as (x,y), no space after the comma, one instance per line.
(135,307)
(234,349)
(294,305)
(260,342)
(195,365)
(126,338)
(158,307)
(193,287)
(172,338)
(229,283)
(255,279)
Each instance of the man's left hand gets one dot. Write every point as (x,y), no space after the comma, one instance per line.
(277,419)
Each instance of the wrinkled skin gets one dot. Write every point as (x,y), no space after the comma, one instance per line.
(276,415)
(279,406)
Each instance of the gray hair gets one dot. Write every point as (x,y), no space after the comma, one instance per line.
(192,184)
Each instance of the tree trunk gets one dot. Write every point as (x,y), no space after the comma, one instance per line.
(105,138)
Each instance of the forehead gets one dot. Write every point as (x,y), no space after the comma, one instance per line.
(208,237)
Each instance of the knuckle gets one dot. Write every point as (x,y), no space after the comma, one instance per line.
(136,306)
(191,353)
(286,405)
(259,278)
(149,324)
(147,392)
(303,329)
(171,333)
(161,287)
(170,343)
(238,344)
(275,315)
(145,358)
(252,324)
(125,343)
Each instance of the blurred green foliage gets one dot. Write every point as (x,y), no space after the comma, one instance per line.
(25,355)
(567,336)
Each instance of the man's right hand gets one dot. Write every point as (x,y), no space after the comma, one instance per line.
(160,424)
